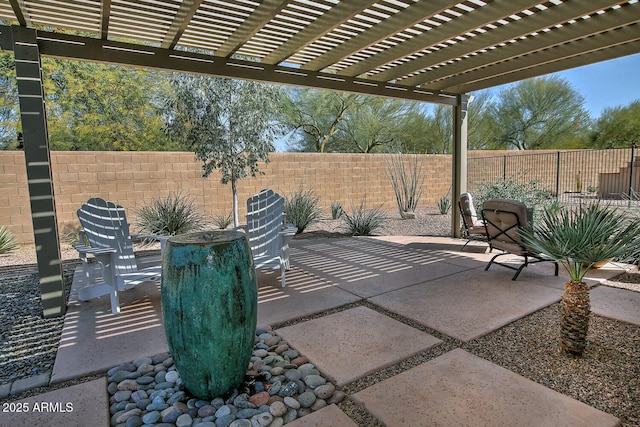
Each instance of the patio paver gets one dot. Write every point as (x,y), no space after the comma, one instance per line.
(470,304)
(80,405)
(353,343)
(329,416)
(95,340)
(619,304)
(460,389)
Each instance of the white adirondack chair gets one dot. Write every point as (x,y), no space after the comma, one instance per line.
(267,232)
(105,228)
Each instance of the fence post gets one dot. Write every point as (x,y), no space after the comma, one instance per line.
(504,167)
(631,172)
(558,176)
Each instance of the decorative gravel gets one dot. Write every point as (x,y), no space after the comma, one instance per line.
(280,386)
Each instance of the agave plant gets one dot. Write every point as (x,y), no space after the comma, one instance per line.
(170,216)
(7,241)
(578,238)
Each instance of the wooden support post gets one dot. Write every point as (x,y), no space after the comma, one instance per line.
(459,160)
(39,177)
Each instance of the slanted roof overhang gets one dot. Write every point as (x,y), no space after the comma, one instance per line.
(414,49)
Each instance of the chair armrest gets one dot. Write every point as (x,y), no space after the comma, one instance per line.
(241,228)
(289,230)
(84,250)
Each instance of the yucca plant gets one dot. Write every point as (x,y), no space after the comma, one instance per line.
(336,210)
(301,209)
(361,221)
(172,215)
(444,205)
(223,221)
(578,238)
(7,241)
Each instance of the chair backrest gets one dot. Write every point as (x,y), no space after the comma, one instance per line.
(503,220)
(468,211)
(265,212)
(105,226)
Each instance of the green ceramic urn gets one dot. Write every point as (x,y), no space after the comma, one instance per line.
(210,306)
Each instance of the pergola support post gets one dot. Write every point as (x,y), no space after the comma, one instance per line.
(39,176)
(459,160)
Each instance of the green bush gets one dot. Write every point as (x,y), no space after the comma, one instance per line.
(301,209)
(444,205)
(223,221)
(526,192)
(7,241)
(336,210)
(172,215)
(361,221)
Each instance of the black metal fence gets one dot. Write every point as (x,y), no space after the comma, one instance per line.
(606,174)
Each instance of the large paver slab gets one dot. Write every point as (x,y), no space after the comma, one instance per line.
(80,405)
(304,295)
(330,416)
(615,303)
(353,343)
(94,339)
(470,304)
(460,389)
(368,267)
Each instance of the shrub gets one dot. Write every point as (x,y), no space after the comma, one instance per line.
(301,209)
(336,210)
(361,221)
(223,221)
(7,241)
(526,192)
(172,215)
(407,180)
(444,205)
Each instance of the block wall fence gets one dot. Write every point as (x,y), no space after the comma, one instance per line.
(133,179)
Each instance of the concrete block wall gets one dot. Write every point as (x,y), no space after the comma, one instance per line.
(134,179)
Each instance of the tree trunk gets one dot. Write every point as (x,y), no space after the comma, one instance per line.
(235,202)
(576,310)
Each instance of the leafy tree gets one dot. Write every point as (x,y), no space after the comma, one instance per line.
(9,112)
(617,127)
(104,107)
(374,123)
(538,113)
(229,124)
(315,116)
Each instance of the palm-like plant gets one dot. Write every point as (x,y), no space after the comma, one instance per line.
(577,239)
(7,241)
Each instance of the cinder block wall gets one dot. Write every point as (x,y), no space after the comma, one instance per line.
(133,179)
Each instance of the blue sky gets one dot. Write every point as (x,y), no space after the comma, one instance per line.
(605,84)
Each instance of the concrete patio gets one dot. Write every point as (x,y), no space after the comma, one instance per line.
(343,290)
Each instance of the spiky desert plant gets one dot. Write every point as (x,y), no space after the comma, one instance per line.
(170,216)
(361,221)
(336,210)
(405,171)
(301,209)
(578,238)
(7,241)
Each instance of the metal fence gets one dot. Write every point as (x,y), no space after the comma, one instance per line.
(606,174)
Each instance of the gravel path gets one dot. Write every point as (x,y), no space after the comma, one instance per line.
(607,377)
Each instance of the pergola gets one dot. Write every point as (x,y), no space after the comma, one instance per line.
(433,51)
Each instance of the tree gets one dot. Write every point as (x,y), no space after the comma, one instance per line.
(538,113)
(95,106)
(617,127)
(229,124)
(375,123)
(315,116)
(9,111)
